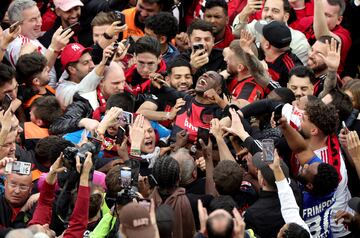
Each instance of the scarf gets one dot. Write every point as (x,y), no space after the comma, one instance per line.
(152,157)
(102,105)
(333,153)
(184,224)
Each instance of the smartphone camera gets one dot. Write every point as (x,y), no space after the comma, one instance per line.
(198,47)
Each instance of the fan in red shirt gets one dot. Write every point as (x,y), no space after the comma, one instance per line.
(216,12)
(242,84)
(328,15)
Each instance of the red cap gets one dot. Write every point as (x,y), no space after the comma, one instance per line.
(72,53)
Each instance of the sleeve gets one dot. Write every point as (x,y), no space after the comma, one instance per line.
(104,227)
(69,121)
(289,207)
(43,211)
(252,145)
(65,91)
(79,218)
(259,107)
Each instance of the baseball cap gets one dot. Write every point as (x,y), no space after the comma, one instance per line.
(354,204)
(267,173)
(277,33)
(136,220)
(66,5)
(72,53)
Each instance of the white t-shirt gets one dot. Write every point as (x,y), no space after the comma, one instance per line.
(12,54)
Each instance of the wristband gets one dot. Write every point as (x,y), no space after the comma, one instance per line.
(53,50)
(135,152)
(106,36)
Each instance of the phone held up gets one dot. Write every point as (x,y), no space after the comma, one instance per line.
(18,167)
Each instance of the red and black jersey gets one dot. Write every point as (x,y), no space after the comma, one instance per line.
(194,115)
(246,89)
(280,68)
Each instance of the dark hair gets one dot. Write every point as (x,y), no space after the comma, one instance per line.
(285,95)
(163,24)
(325,181)
(95,204)
(296,231)
(228,176)
(28,66)
(46,108)
(328,38)
(287,6)
(225,202)
(215,234)
(323,116)
(112,181)
(340,3)
(302,72)
(166,171)
(165,5)
(177,62)
(147,44)
(198,24)
(49,148)
(342,102)
(6,74)
(124,100)
(217,3)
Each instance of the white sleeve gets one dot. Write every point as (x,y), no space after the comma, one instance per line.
(88,83)
(289,207)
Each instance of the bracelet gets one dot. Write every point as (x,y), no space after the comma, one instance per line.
(135,152)
(53,50)
(106,36)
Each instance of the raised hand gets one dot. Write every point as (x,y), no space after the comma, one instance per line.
(246,41)
(198,59)
(60,39)
(332,59)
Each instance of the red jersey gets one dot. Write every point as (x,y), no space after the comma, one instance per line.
(246,89)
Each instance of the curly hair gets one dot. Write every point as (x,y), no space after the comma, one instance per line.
(323,116)
(326,180)
(166,171)
(228,176)
(163,24)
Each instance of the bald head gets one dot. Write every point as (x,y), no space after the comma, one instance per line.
(114,80)
(187,166)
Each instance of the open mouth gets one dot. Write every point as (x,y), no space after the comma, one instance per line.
(202,82)
(148,143)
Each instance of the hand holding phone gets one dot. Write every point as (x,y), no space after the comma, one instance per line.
(6,102)
(344,127)
(13,27)
(73,27)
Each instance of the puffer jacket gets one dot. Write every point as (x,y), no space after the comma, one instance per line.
(68,122)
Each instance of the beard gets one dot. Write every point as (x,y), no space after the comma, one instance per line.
(304,134)
(319,68)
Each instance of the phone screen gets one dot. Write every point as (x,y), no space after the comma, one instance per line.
(125,176)
(126,117)
(6,102)
(18,167)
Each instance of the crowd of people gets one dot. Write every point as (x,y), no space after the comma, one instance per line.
(162,118)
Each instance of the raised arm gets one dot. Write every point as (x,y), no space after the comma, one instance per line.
(320,26)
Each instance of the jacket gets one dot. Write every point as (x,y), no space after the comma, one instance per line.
(68,122)
(132,29)
(9,219)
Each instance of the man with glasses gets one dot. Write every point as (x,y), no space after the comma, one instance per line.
(148,61)
(15,212)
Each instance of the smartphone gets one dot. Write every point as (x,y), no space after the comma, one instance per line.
(13,27)
(278,113)
(122,132)
(6,102)
(344,127)
(204,134)
(198,47)
(18,167)
(268,149)
(126,117)
(125,177)
(72,26)
(115,47)
(145,203)
(120,17)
